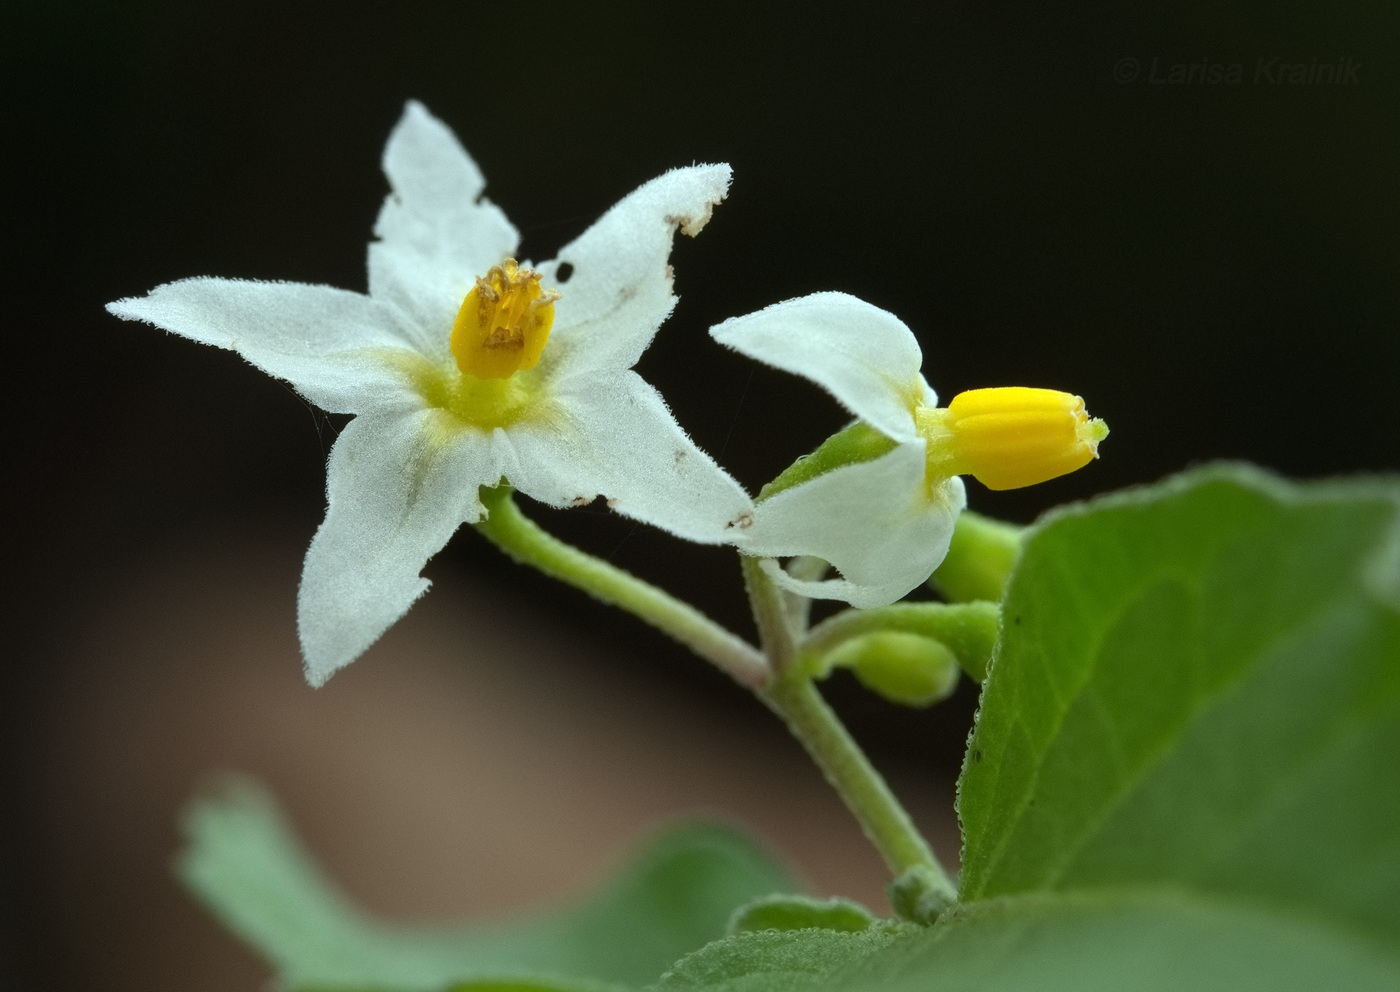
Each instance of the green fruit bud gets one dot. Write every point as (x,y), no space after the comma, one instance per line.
(908,669)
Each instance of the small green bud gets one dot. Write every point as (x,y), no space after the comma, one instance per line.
(908,669)
(920,895)
(783,912)
(979,560)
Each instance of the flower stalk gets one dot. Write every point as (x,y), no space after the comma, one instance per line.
(527,543)
(793,696)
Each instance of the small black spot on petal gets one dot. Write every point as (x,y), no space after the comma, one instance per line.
(564,272)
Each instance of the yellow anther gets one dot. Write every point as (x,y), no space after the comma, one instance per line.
(503,323)
(1011,436)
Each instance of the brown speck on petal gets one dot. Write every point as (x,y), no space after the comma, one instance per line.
(691,226)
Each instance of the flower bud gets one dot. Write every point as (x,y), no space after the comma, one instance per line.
(905,668)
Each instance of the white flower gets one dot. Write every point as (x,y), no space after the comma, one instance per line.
(876,521)
(442,365)
(885,522)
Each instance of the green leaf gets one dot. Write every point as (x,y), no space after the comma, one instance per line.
(1078,942)
(1198,689)
(778,960)
(245,864)
(1108,942)
(801,913)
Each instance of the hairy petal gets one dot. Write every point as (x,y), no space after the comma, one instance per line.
(618,289)
(328,343)
(864,356)
(397,487)
(612,436)
(436,232)
(873,520)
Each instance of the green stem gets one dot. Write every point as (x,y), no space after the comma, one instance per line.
(524,541)
(805,569)
(794,697)
(850,773)
(772,615)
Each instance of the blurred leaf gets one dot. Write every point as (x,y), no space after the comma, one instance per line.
(245,864)
(1199,689)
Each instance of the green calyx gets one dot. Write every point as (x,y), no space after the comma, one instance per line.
(856,443)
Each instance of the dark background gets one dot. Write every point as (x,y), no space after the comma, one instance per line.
(1214,266)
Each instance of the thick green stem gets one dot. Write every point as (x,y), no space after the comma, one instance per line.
(523,540)
(794,697)
(850,773)
(772,615)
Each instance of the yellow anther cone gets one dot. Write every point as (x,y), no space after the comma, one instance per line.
(503,324)
(1013,436)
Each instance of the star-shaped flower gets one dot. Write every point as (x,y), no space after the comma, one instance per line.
(463,368)
(884,515)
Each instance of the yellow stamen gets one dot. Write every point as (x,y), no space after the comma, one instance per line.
(1010,437)
(503,323)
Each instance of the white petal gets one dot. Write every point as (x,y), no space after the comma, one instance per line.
(864,356)
(872,520)
(436,232)
(328,343)
(619,289)
(612,436)
(397,488)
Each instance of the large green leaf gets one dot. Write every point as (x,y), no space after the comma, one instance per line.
(1084,942)
(1107,942)
(779,960)
(245,864)
(1198,689)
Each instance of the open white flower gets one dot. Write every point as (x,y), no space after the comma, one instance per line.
(445,365)
(885,519)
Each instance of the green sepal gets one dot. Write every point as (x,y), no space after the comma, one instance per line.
(858,442)
(789,912)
